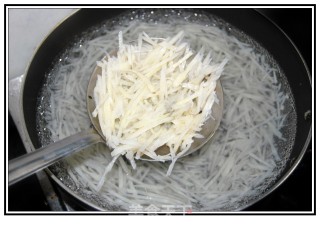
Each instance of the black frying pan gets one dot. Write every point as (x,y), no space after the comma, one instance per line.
(249,21)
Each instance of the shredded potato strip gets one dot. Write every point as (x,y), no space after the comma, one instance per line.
(243,160)
(155,90)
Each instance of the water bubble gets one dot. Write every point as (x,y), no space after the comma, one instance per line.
(307,115)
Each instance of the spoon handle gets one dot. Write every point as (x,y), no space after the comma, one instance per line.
(28,164)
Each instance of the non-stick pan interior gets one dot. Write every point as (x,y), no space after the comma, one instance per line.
(46,54)
(287,56)
(259,28)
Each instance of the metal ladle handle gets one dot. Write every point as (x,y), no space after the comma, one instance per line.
(28,164)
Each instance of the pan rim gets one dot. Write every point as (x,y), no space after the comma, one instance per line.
(272,188)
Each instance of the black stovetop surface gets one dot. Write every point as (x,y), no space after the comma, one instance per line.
(295,194)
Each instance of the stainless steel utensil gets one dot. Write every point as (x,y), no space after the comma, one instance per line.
(26,165)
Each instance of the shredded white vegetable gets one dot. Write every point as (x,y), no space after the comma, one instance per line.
(158,93)
(237,165)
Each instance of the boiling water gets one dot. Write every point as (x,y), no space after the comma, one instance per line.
(246,155)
